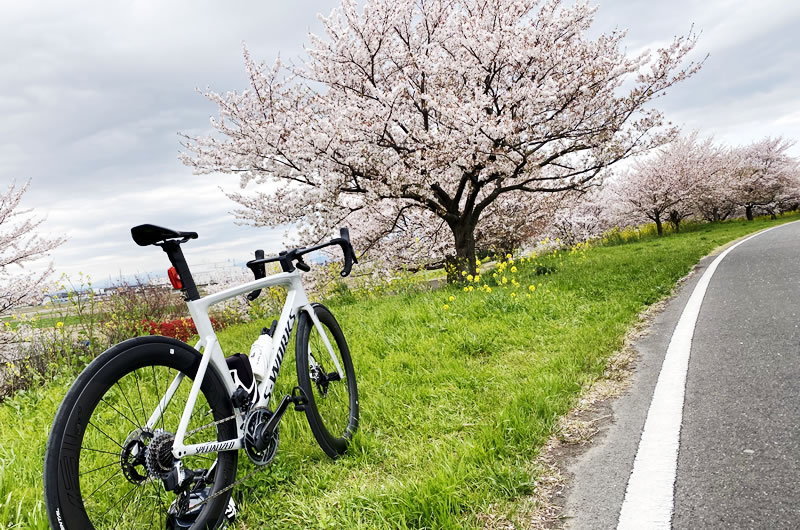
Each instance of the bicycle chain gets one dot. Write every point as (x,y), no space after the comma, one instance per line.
(230,486)
(226,488)
(209,425)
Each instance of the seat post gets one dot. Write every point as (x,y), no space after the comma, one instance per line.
(175,254)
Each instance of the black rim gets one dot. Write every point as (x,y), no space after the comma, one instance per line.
(332,394)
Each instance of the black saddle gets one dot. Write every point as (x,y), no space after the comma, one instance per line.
(145,235)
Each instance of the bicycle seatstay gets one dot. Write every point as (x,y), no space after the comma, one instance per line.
(296,300)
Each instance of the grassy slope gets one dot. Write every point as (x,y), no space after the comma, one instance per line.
(455,403)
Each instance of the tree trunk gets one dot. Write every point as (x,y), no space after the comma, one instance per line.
(464,260)
(659,228)
(748,212)
(675,219)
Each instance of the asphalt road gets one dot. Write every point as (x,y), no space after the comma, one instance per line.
(739,456)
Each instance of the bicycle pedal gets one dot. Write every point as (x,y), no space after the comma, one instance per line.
(299,399)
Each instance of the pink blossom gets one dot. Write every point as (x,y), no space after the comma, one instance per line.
(416,122)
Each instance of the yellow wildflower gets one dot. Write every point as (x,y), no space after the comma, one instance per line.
(531,287)
(513,295)
(469,277)
(505,280)
(445,307)
(452,298)
(513,269)
(508,256)
(59,324)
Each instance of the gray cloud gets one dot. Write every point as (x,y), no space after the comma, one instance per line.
(747,87)
(92,95)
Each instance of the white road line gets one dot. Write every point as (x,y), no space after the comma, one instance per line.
(649,497)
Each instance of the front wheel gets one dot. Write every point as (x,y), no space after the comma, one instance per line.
(332,408)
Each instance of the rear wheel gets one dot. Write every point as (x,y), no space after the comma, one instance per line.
(332,408)
(104,467)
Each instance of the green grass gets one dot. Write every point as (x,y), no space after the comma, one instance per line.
(48,322)
(455,404)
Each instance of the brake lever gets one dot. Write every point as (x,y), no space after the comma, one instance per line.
(259,271)
(347,251)
(302,265)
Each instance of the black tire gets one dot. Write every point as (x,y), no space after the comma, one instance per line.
(332,408)
(115,395)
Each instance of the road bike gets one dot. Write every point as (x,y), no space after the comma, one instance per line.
(149,433)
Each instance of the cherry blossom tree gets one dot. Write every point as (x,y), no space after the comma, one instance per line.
(20,243)
(660,188)
(515,219)
(766,178)
(712,196)
(411,118)
(585,215)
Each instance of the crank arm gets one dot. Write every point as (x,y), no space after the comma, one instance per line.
(265,432)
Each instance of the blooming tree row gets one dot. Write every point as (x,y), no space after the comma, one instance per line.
(662,187)
(690,177)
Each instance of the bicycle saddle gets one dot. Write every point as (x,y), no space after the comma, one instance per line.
(145,235)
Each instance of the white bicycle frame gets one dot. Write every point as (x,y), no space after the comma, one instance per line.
(296,300)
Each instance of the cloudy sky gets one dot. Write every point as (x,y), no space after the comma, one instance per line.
(93,94)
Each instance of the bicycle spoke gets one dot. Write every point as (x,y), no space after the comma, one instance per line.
(104,483)
(160,502)
(159,396)
(138,505)
(120,413)
(141,401)
(116,503)
(152,513)
(99,451)
(206,413)
(125,396)
(104,434)
(97,468)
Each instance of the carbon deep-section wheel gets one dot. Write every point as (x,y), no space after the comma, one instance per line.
(332,408)
(105,467)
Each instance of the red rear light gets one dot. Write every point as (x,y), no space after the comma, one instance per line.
(174,279)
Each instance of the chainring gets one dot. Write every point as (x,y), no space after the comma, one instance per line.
(255,418)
